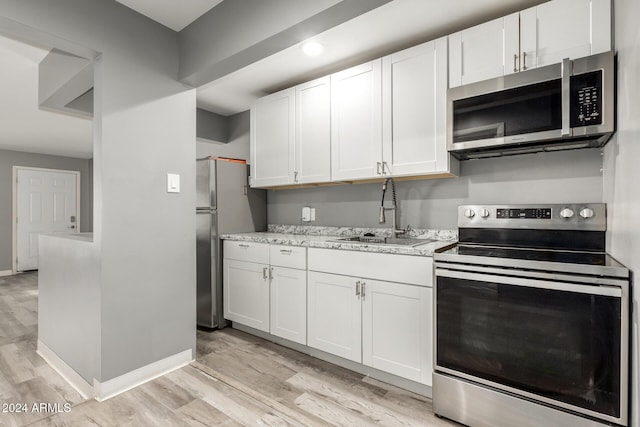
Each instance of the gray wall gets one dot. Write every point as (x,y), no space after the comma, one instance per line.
(570,176)
(8,159)
(144,128)
(622,174)
(238,136)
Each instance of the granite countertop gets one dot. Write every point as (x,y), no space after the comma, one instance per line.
(324,237)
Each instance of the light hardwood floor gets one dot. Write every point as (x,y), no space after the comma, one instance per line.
(237,380)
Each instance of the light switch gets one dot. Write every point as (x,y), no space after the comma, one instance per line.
(173,183)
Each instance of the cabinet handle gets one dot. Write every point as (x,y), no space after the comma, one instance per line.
(243,245)
(295,176)
(385,165)
(515,62)
(264,273)
(363,287)
(286,251)
(524,60)
(358,288)
(270,273)
(378,164)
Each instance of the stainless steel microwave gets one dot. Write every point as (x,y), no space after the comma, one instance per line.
(556,107)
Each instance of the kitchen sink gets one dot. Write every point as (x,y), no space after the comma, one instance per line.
(388,241)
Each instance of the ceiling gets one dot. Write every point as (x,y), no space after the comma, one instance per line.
(391,27)
(171,13)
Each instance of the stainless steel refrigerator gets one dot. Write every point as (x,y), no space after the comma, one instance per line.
(224,204)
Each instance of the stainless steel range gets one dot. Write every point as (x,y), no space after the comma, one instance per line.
(532,320)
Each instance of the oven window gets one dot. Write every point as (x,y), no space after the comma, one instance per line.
(522,110)
(557,344)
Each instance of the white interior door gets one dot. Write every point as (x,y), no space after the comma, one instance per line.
(46,202)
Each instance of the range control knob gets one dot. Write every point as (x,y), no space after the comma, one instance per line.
(484,213)
(566,213)
(587,213)
(469,213)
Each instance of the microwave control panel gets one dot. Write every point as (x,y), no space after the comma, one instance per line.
(586,99)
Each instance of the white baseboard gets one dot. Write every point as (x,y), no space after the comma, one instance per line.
(115,386)
(66,371)
(6,273)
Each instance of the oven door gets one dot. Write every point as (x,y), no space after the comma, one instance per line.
(560,343)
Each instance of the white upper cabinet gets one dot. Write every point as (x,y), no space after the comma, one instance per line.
(535,37)
(272,139)
(414,92)
(356,122)
(548,36)
(290,136)
(478,53)
(313,132)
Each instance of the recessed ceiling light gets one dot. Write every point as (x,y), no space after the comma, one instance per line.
(312,48)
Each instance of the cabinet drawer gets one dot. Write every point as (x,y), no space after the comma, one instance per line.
(246,251)
(415,270)
(288,256)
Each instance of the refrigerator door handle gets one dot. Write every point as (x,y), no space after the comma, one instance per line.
(207,211)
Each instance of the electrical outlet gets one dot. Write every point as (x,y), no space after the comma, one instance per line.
(306,214)
(313,214)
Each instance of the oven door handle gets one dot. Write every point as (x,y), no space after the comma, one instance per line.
(610,291)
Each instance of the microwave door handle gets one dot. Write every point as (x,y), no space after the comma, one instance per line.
(566,97)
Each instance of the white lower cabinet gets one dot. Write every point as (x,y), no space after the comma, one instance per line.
(246,293)
(381,324)
(328,300)
(334,315)
(289,304)
(265,288)
(396,329)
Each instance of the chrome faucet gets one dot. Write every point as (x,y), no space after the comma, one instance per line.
(395,232)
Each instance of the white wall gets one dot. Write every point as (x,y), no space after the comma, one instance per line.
(622,174)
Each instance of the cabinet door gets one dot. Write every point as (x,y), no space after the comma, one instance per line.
(414,106)
(246,293)
(484,51)
(289,304)
(313,132)
(562,29)
(334,315)
(272,139)
(356,122)
(396,329)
